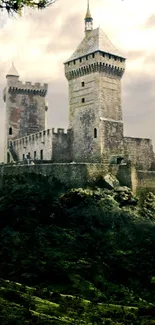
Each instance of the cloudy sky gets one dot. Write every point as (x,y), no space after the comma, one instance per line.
(39,43)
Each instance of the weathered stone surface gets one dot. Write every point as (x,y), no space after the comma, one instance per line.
(111,181)
(25,109)
(140,152)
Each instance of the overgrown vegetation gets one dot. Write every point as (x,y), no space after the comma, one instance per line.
(84,256)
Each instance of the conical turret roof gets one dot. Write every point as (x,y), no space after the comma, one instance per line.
(12,72)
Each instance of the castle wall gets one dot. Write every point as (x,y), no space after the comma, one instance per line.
(62,145)
(145,181)
(39,145)
(68,174)
(52,144)
(140,152)
(112,139)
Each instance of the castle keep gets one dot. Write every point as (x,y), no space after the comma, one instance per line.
(95,134)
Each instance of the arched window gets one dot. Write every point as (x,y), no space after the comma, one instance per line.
(10,131)
(95,133)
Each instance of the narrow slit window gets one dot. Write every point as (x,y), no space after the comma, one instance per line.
(10,131)
(82,84)
(95,133)
(83,100)
(41,154)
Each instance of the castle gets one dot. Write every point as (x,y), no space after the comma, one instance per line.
(95,134)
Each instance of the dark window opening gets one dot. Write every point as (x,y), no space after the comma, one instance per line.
(103,54)
(86,57)
(80,59)
(74,61)
(93,55)
(115,58)
(119,160)
(95,133)
(35,154)
(23,156)
(10,131)
(83,100)
(8,157)
(109,56)
(121,60)
(41,154)
(82,83)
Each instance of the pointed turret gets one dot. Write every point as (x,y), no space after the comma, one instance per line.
(12,72)
(88,20)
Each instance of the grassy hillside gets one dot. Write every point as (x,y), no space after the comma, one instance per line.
(28,305)
(84,256)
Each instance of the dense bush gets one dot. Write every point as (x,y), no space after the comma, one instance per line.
(79,242)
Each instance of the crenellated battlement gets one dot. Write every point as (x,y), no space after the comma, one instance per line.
(32,137)
(107,66)
(60,131)
(39,135)
(29,87)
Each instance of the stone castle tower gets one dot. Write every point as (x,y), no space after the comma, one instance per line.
(94,143)
(25,109)
(94,73)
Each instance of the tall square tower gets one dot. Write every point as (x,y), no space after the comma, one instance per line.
(94,73)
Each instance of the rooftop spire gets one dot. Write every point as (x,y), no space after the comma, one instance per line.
(88,19)
(88,14)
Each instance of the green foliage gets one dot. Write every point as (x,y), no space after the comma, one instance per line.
(15,6)
(72,247)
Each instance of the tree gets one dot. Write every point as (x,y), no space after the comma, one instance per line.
(16,6)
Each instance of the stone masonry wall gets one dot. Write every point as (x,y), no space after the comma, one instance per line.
(145,181)
(62,145)
(110,96)
(34,144)
(25,109)
(140,152)
(84,118)
(112,139)
(68,174)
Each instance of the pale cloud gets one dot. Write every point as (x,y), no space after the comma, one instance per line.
(39,43)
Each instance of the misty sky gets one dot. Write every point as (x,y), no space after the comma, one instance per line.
(39,43)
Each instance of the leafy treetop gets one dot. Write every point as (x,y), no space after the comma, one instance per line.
(15,6)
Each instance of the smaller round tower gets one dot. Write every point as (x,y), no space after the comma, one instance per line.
(12,78)
(26,110)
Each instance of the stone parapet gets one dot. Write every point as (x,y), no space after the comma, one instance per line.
(28,87)
(102,62)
